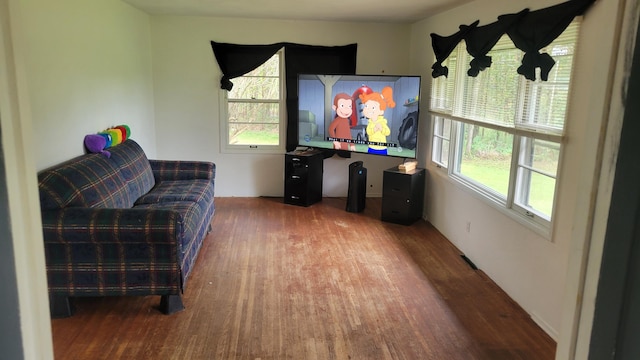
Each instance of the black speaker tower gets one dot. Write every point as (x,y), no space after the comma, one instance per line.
(357,187)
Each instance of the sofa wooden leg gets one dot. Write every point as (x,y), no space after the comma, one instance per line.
(170,304)
(60,306)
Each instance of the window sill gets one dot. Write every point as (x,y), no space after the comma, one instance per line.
(251,149)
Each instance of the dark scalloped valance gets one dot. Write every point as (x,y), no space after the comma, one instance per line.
(529,31)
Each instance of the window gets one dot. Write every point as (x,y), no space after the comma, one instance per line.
(501,135)
(441,139)
(255,110)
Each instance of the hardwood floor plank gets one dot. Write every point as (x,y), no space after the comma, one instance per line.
(276,281)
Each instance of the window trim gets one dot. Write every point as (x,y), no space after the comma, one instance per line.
(540,223)
(486,195)
(227,148)
(507,206)
(527,132)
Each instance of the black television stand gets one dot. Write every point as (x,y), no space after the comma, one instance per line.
(303,170)
(402,195)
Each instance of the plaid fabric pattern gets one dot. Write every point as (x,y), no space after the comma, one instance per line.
(124,225)
(181,190)
(193,199)
(182,170)
(195,219)
(134,168)
(112,251)
(91,180)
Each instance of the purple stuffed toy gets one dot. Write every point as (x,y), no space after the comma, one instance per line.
(96,144)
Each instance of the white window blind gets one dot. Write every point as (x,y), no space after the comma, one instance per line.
(499,134)
(500,97)
(545,102)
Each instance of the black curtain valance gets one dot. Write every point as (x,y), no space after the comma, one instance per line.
(529,31)
(236,60)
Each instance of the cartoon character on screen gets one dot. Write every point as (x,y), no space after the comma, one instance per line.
(374,105)
(339,127)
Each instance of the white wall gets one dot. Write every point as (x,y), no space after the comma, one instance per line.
(530,268)
(187,93)
(25,328)
(89,68)
(72,68)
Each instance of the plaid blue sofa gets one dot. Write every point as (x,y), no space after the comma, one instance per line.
(123,225)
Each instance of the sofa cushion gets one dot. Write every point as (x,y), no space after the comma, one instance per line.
(180,190)
(134,168)
(91,180)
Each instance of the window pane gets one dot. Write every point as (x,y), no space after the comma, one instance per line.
(546,105)
(537,169)
(442,134)
(539,193)
(442,127)
(492,95)
(540,155)
(484,156)
(254,134)
(240,112)
(444,153)
(441,152)
(255,88)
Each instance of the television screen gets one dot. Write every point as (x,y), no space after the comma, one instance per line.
(370,114)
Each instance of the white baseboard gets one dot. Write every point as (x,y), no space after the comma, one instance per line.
(545,326)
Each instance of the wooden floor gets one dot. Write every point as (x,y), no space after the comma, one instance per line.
(276,281)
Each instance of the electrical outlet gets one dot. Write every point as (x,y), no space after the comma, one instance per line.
(468,228)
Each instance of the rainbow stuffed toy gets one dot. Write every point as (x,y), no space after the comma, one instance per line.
(107,139)
(126,132)
(116,135)
(96,143)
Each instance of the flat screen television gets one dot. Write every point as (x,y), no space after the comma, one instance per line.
(370,114)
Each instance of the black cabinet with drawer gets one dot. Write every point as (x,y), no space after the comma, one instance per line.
(402,195)
(303,177)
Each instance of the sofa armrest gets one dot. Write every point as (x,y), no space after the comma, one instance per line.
(110,252)
(164,170)
(100,225)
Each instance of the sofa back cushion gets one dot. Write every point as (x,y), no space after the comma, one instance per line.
(134,168)
(90,180)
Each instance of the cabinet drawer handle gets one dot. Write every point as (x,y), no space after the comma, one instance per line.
(295,177)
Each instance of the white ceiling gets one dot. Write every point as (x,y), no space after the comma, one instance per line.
(391,11)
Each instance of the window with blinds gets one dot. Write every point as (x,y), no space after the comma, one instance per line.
(500,134)
(254,112)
